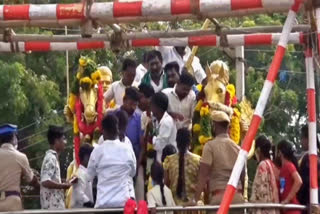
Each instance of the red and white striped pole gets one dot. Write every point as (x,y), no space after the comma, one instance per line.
(318,27)
(312,126)
(257,117)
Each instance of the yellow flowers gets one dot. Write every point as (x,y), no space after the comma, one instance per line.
(204,139)
(149,147)
(196,128)
(199,105)
(204,111)
(85,82)
(199,87)
(235,126)
(96,77)
(112,104)
(232,91)
(83,62)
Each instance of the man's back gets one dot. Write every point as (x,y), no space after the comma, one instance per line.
(221,154)
(13,166)
(114,164)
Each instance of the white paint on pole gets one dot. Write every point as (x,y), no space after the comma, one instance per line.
(314,196)
(1,12)
(155,8)
(102,10)
(63,46)
(287,28)
(312,132)
(262,102)
(209,6)
(238,167)
(235,40)
(240,79)
(271,4)
(5,47)
(318,19)
(310,73)
(43,12)
(174,42)
(67,66)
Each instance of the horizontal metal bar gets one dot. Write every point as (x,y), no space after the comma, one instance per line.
(162,209)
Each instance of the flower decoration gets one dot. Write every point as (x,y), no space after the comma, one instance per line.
(83,61)
(199,105)
(196,128)
(204,111)
(235,126)
(96,77)
(85,83)
(203,139)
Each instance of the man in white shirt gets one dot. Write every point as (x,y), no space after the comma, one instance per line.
(82,195)
(155,77)
(182,101)
(114,164)
(181,56)
(142,69)
(117,89)
(165,127)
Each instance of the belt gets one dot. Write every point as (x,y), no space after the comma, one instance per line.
(221,191)
(5,194)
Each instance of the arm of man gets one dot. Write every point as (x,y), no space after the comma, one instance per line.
(28,174)
(199,73)
(79,189)
(109,95)
(297,182)
(160,141)
(47,173)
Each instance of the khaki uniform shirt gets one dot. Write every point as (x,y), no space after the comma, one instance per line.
(13,166)
(221,154)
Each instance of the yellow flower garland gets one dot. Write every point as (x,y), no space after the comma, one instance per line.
(96,77)
(83,62)
(199,105)
(203,139)
(235,126)
(204,111)
(85,82)
(196,128)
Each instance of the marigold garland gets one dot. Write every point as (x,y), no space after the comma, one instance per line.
(83,61)
(85,82)
(196,128)
(96,77)
(235,126)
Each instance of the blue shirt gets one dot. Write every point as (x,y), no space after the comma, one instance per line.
(134,131)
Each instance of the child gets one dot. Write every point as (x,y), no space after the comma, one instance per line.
(82,191)
(290,180)
(160,195)
(165,127)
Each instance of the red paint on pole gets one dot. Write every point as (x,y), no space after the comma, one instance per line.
(313,171)
(90,45)
(125,9)
(37,46)
(254,126)
(16,12)
(311,94)
(180,7)
(295,7)
(145,42)
(301,38)
(227,199)
(70,11)
(276,63)
(258,39)
(207,40)
(245,4)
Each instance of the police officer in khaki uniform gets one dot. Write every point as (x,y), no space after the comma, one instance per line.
(14,165)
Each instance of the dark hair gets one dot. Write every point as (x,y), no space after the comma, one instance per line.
(157,175)
(161,100)
(110,124)
(263,143)
(172,65)
(145,57)
(123,122)
(128,63)
(287,149)
(186,78)
(167,151)
(54,132)
(6,138)
(85,150)
(183,142)
(146,89)
(132,93)
(154,54)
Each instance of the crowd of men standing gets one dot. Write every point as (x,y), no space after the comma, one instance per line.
(155,102)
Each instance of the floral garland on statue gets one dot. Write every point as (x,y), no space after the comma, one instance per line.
(87,77)
(202,120)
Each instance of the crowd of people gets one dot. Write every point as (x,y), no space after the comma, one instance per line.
(155,102)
